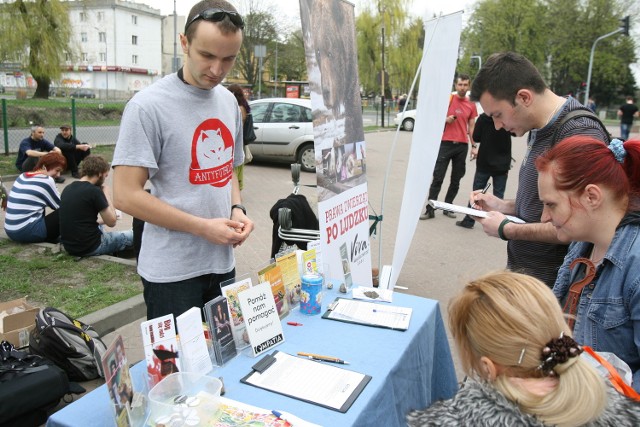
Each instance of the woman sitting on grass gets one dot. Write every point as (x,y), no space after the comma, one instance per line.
(32,192)
(524,367)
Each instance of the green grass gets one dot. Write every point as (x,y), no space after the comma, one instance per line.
(58,280)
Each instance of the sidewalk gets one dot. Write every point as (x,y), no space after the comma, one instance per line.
(442,256)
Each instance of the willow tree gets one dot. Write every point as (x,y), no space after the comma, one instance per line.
(36,34)
(376,17)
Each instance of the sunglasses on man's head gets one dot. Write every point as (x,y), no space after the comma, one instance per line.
(217,15)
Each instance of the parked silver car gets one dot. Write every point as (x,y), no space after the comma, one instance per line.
(284,131)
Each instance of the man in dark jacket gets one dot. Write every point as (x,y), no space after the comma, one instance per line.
(492,149)
(72,149)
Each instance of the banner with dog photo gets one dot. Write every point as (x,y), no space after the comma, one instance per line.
(332,65)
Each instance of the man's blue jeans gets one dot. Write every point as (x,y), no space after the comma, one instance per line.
(178,297)
(625,129)
(480,179)
(113,241)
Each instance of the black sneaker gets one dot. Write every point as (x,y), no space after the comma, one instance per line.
(429,213)
(449,214)
(75,175)
(59,180)
(464,224)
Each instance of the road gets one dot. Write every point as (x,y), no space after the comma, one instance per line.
(102,135)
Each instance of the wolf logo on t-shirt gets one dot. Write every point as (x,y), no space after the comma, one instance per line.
(211,154)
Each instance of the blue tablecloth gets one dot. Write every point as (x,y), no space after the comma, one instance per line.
(409,370)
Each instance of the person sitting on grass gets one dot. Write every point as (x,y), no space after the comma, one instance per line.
(72,149)
(81,232)
(524,367)
(31,193)
(32,148)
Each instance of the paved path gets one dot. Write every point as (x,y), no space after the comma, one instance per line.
(442,256)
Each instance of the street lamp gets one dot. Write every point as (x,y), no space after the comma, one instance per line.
(624,29)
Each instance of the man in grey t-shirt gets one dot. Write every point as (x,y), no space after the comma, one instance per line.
(184,135)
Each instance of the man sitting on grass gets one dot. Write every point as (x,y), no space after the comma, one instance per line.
(81,232)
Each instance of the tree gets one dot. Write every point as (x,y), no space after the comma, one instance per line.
(391,15)
(291,59)
(42,29)
(557,36)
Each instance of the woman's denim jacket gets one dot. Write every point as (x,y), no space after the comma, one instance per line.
(608,316)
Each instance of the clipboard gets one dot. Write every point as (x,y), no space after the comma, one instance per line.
(293,377)
(370,314)
(468,211)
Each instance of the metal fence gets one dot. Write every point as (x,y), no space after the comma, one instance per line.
(92,121)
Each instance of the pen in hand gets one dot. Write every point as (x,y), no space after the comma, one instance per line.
(484,191)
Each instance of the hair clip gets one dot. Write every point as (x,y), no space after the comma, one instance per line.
(617,148)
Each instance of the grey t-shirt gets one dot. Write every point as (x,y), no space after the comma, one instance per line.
(190,139)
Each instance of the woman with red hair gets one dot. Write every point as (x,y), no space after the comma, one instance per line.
(591,195)
(33,192)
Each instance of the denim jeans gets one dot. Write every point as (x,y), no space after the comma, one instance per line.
(45,229)
(113,241)
(480,180)
(625,129)
(178,297)
(456,153)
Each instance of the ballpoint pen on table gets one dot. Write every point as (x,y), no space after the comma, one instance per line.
(484,191)
(280,416)
(323,358)
(294,323)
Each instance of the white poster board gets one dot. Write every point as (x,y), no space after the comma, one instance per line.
(442,37)
(332,65)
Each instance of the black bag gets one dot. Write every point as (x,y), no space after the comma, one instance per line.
(69,343)
(248,132)
(30,387)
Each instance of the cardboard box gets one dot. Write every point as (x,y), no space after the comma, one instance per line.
(15,326)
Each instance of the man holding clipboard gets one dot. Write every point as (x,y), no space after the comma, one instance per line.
(512,92)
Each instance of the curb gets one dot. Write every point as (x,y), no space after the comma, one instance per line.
(117,315)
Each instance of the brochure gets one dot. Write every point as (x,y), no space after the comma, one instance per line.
(118,380)
(238,329)
(195,355)
(160,348)
(217,314)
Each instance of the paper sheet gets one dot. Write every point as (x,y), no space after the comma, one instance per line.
(316,382)
(468,211)
(367,313)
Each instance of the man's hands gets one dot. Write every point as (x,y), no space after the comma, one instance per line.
(496,209)
(222,231)
(83,147)
(474,153)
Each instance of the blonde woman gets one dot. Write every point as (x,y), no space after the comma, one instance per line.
(523,366)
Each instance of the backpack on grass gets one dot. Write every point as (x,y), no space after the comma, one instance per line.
(69,343)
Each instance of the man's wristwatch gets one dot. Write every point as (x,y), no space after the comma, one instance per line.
(242,208)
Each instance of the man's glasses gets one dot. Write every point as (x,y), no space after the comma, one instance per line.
(217,15)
